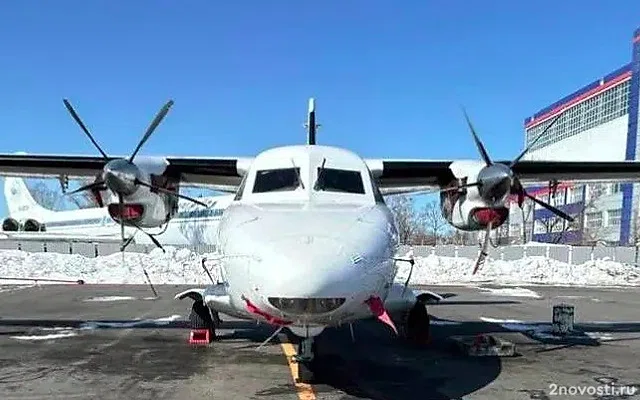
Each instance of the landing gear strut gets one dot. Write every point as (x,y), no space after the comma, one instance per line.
(305,358)
(202,318)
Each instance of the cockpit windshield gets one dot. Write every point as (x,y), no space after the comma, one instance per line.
(339,180)
(277,180)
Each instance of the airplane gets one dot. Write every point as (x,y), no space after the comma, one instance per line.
(307,242)
(192,225)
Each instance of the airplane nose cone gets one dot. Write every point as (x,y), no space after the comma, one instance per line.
(307,274)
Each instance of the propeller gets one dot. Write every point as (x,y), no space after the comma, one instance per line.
(497,180)
(121,175)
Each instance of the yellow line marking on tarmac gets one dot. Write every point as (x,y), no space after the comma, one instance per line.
(305,391)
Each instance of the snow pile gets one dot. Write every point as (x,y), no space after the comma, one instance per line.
(436,270)
(174,266)
(185,267)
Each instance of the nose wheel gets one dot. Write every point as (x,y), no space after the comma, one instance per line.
(305,359)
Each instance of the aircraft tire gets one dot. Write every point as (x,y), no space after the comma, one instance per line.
(418,325)
(305,374)
(200,318)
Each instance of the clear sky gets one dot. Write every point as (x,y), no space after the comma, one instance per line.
(389,77)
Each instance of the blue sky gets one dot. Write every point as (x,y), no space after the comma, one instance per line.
(389,79)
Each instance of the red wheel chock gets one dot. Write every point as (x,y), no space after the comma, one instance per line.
(200,337)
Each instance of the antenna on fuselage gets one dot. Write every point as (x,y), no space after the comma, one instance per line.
(311,125)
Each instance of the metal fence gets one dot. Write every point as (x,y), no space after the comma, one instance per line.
(568,254)
(565,253)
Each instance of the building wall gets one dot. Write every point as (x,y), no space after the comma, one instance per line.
(631,192)
(599,122)
(606,142)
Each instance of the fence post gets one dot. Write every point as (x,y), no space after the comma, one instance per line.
(524,252)
(546,253)
(570,256)
(455,252)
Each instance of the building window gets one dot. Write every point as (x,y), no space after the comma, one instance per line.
(613,217)
(594,219)
(514,229)
(575,195)
(539,227)
(598,110)
(615,188)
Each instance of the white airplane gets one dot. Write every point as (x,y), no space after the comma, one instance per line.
(192,224)
(307,242)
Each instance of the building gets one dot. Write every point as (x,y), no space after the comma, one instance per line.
(600,123)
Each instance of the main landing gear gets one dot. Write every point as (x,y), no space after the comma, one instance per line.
(203,322)
(305,359)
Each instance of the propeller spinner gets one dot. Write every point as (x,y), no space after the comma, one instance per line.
(121,175)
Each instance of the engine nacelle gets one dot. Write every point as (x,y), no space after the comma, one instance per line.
(146,207)
(10,225)
(31,225)
(464,208)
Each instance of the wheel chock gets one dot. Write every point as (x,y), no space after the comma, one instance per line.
(200,337)
(484,345)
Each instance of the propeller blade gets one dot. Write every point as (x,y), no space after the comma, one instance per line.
(154,240)
(526,150)
(99,185)
(483,252)
(98,196)
(126,243)
(154,124)
(169,192)
(479,145)
(551,208)
(83,127)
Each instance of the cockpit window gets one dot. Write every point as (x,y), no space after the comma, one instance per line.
(339,180)
(277,180)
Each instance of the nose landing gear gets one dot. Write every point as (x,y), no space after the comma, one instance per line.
(305,359)
(202,318)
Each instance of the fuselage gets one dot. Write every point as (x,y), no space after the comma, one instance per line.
(308,239)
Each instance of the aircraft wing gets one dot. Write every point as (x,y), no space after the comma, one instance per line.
(408,176)
(224,174)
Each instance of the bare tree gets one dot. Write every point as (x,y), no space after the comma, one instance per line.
(432,220)
(407,220)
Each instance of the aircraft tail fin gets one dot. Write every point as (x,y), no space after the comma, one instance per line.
(19,198)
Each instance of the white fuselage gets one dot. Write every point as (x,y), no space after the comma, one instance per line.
(307,256)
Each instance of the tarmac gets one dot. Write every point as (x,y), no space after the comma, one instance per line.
(73,342)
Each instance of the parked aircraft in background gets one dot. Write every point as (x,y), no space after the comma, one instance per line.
(192,225)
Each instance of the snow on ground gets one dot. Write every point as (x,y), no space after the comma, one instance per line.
(512,292)
(174,266)
(184,267)
(436,270)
